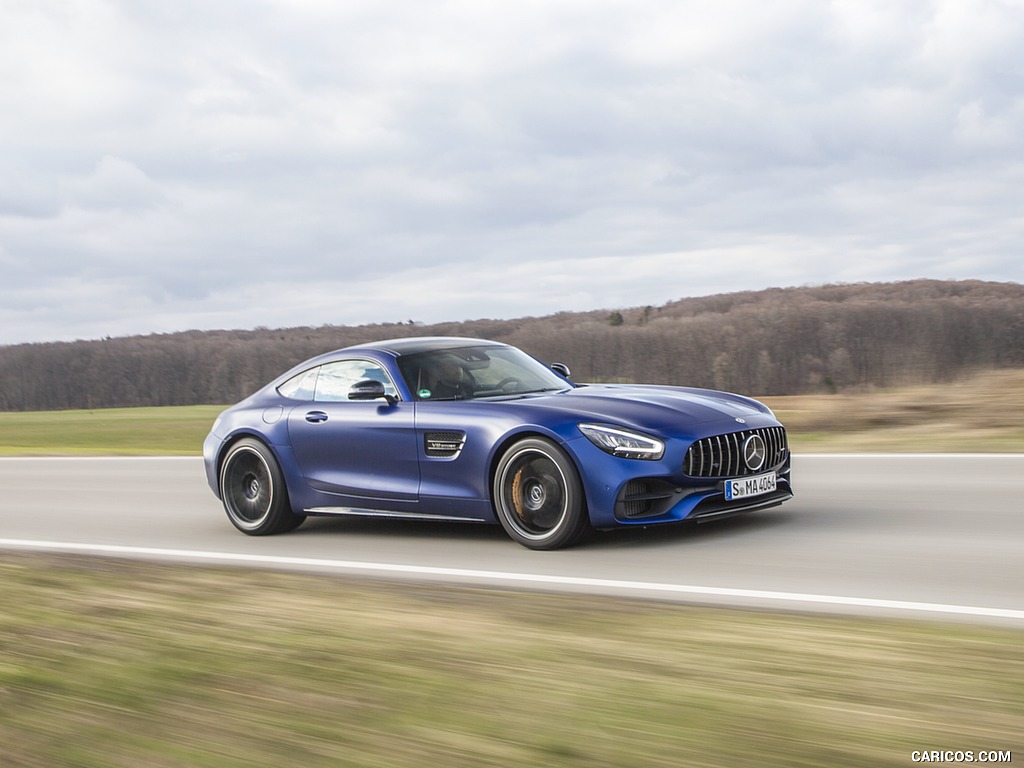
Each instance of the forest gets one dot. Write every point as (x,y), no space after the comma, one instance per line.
(833,338)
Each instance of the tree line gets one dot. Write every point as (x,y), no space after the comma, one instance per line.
(774,342)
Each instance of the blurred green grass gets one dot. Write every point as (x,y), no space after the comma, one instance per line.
(112,431)
(108,663)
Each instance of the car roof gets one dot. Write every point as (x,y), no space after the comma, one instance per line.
(413,344)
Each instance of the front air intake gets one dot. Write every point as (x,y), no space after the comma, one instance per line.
(644,497)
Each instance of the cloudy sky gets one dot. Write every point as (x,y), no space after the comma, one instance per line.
(240,163)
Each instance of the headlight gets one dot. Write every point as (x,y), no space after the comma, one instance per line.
(623,443)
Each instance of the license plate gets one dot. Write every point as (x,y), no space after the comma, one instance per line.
(749,486)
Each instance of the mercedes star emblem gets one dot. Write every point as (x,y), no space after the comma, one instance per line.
(754,452)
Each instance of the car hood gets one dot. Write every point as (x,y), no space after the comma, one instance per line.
(669,410)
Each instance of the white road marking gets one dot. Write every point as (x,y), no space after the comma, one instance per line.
(523,578)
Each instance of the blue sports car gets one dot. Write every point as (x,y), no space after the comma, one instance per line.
(478,431)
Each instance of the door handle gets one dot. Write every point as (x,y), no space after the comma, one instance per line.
(315,417)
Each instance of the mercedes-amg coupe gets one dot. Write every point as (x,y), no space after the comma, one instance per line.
(468,430)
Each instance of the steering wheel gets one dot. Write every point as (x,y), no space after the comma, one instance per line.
(510,380)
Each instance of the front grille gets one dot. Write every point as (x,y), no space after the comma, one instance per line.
(722,455)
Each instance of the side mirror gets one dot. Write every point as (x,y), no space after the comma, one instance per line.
(370,389)
(561,369)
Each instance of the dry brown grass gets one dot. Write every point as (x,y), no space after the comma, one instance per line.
(980,414)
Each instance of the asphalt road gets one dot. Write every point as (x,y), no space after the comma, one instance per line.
(927,536)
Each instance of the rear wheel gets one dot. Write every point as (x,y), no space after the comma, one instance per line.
(538,497)
(253,489)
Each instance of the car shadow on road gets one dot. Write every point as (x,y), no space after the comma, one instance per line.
(409,529)
(686,533)
(673,534)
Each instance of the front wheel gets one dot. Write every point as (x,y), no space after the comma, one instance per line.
(253,489)
(538,497)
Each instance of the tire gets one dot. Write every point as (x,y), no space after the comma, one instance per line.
(254,492)
(538,497)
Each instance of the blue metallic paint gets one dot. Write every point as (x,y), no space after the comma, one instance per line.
(370,455)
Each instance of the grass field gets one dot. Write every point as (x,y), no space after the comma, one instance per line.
(113,431)
(109,664)
(982,414)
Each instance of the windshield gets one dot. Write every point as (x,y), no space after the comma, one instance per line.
(473,372)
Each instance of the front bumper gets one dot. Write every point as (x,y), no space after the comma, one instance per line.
(623,492)
(645,501)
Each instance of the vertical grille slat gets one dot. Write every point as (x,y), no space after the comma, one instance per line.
(722,455)
(779,443)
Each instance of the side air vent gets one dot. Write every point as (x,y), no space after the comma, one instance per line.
(443,445)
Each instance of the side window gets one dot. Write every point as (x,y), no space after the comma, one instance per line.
(336,379)
(300,387)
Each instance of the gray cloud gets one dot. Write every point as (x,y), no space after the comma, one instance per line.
(169,166)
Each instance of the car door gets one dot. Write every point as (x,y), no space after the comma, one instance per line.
(363,452)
